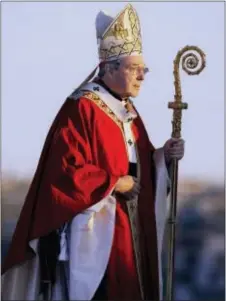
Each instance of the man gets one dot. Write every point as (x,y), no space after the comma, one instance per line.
(92,224)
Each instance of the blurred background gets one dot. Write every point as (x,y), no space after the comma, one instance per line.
(47,51)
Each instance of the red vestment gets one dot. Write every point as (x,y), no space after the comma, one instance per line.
(83,156)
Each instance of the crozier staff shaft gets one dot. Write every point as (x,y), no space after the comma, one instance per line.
(192,64)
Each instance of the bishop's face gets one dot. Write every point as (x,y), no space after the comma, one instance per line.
(129,77)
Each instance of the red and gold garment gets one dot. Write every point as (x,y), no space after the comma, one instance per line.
(84,155)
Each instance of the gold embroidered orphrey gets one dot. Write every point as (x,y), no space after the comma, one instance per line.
(95,98)
(123,36)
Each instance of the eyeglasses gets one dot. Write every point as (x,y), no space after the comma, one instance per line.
(137,70)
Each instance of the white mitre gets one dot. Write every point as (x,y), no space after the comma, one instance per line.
(120,36)
(117,37)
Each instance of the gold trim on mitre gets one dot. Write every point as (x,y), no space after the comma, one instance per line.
(122,37)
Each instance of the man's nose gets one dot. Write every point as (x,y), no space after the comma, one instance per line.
(140,76)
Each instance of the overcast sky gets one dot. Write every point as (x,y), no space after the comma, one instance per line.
(49,48)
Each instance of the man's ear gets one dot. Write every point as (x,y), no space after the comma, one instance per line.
(112,69)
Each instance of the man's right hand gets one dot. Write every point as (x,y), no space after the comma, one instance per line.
(124,184)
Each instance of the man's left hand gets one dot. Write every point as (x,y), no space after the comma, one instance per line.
(173,149)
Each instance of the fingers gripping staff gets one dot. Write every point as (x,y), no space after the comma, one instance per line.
(192,64)
(174,148)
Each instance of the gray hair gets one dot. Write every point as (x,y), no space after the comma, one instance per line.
(108,66)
